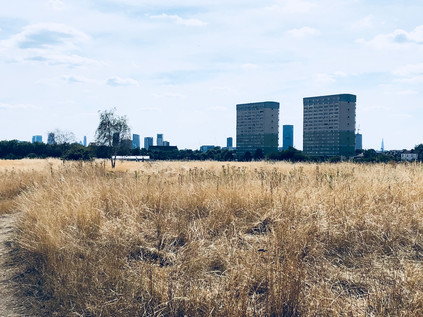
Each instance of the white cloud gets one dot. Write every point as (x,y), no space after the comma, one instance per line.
(16,106)
(56,4)
(303,32)
(398,39)
(364,23)
(118,81)
(75,79)
(250,66)
(325,78)
(178,20)
(410,74)
(292,6)
(51,43)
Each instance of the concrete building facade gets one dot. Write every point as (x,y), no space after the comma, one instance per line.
(257,127)
(136,141)
(329,125)
(37,139)
(229,142)
(358,141)
(288,136)
(160,140)
(148,141)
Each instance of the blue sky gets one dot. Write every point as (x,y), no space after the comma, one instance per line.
(180,67)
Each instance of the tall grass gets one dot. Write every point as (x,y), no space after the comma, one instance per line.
(237,239)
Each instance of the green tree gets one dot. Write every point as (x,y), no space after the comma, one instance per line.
(112,132)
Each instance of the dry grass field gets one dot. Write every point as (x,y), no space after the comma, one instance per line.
(219,239)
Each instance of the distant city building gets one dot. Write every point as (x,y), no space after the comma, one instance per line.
(37,139)
(409,156)
(148,141)
(329,125)
(50,138)
(85,141)
(205,148)
(382,148)
(257,127)
(159,139)
(288,136)
(358,141)
(135,141)
(163,148)
(166,143)
(229,142)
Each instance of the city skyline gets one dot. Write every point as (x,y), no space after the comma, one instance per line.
(181,69)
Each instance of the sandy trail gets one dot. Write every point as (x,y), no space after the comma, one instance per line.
(10,304)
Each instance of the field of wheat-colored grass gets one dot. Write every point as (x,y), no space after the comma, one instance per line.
(221,239)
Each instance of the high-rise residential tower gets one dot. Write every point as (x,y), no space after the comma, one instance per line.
(135,141)
(229,142)
(358,141)
(329,125)
(159,139)
(37,139)
(257,127)
(148,141)
(288,136)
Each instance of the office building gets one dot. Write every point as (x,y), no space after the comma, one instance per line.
(329,125)
(51,138)
(159,139)
(358,141)
(205,148)
(136,141)
(166,143)
(148,141)
(85,141)
(288,136)
(229,142)
(37,139)
(257,127)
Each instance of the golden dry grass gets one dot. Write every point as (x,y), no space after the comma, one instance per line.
(235,239)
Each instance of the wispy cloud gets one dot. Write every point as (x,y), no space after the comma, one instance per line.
(118,81)
(178,20)
(397,39)
(56,4)
(410,74)
(329,78)
(303,32)
(51,43)
(16,106)
(75,79)
(292,6)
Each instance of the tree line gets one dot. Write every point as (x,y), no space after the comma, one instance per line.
(113,139)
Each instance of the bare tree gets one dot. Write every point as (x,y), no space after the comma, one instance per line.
(112,131)
(61,137)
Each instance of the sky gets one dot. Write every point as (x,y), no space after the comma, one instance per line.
(180,67)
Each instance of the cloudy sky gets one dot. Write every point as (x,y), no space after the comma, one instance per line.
(180,67)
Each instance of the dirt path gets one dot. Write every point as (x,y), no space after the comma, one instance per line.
(10,305)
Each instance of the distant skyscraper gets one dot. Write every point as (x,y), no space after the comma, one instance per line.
(358,141)
(166,143)
(382,148)
(135,141)
(85,141)
(329,125)
(159,139)
(37,139)
(288,136)
(50,138)
(148,141)
(257,127)
(229,142)
(205,148)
